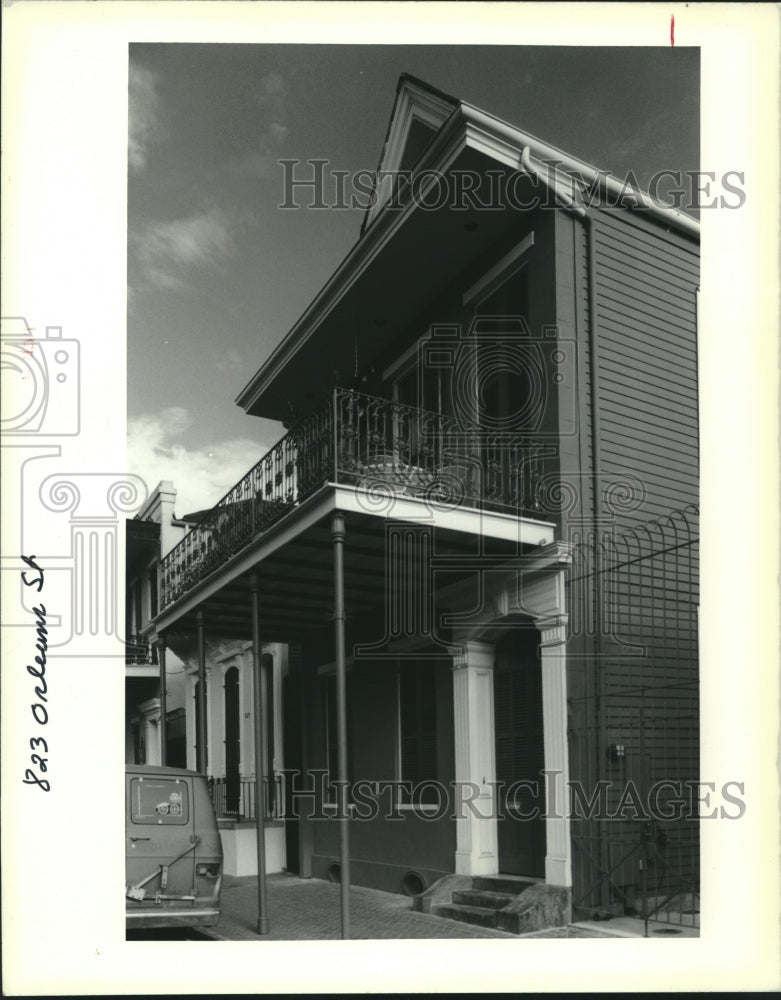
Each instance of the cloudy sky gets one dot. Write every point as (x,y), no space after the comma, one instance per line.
(218,273)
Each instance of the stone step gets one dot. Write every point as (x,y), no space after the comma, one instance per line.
(512,884)
(479,915)
(483,898)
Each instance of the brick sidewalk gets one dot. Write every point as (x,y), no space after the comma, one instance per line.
(308,910)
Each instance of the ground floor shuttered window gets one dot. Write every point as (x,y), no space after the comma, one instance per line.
(418,730)
(332,737)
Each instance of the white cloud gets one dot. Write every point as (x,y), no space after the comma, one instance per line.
(232,362)
(271,96)
(201,477)
(167,250)
(263,161)
(278,132)
(143,115)
(271,88)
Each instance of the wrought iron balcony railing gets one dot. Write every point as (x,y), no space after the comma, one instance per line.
(234,797)
(379,447)
(139,651)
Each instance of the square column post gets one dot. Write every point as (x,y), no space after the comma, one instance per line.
(201,735)
(259,713)
(190,716)
(163,702)
(558,853)
(216,720)
(337,534)
(475,757)
(149,725)
(152,730)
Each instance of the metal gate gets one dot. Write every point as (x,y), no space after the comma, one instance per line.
(634,723)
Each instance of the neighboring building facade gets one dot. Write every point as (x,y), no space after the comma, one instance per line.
(228,757)
(152,533)
(514,392)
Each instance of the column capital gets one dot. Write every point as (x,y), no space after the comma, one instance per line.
(473,654)
(553,631)
(150,711)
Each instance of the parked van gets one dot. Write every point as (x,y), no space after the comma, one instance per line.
(173,870)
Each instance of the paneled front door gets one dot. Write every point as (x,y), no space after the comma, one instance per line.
(519,754)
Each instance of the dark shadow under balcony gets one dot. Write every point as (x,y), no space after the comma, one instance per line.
(377,447)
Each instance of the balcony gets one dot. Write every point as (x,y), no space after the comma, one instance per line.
(233,798)
(380,449)
(139,651)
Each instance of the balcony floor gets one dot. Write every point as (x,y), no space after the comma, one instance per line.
(294,560)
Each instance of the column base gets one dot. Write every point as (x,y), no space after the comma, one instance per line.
(467,864)
(558,871)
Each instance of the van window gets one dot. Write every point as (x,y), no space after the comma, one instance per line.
(162,801)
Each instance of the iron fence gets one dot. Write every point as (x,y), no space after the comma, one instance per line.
(634,721)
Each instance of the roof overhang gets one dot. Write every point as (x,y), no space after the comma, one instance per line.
(409,254)
(403,261)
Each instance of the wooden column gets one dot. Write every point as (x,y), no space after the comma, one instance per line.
(201,736)
(558,854)
(477,850)
(163,702)
(259,686)
(337,533)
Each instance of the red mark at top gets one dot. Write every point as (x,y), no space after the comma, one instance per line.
(672,29)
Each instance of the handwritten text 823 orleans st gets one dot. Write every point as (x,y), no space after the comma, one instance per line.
(38,708)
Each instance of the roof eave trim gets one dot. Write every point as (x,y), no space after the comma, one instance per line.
(508,134)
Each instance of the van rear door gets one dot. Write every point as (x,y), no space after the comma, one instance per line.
(160,841)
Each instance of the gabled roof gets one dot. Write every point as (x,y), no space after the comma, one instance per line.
(419,111)
(400,235)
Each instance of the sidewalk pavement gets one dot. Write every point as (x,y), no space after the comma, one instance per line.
(309,910)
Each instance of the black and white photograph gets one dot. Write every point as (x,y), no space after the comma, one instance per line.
(367,464)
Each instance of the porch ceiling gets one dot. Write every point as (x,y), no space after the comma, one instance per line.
(296,580)
(381,290)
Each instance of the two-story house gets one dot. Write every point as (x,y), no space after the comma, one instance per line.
(476,539)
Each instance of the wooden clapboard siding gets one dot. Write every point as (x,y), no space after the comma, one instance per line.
(636,687)
(646,281)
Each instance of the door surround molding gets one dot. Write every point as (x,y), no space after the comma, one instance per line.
(534,593)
